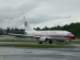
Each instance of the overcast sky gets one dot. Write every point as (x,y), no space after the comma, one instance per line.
(39,12)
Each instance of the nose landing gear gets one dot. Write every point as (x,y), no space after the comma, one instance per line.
(50,41)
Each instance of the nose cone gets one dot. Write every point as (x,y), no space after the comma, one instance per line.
(72,36)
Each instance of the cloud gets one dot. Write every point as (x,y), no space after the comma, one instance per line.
(13,8)
(39,12)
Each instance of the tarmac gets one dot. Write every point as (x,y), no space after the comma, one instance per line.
(14,53)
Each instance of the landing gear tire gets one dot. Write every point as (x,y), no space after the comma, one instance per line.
(40,42)
(50,42)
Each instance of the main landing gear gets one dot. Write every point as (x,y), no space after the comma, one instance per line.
(46,41)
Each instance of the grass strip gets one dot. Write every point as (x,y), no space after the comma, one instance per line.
(38,45)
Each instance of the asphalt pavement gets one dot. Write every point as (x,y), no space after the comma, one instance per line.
(14,53)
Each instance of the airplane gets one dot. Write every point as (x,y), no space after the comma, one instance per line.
(48,35)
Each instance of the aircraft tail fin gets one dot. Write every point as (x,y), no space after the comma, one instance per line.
(27,25)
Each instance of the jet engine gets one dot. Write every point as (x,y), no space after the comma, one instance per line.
(42,38)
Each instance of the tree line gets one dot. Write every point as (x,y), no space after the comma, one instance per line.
(11,30)
(73,27)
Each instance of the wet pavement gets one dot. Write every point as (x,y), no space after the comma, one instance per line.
(12,53)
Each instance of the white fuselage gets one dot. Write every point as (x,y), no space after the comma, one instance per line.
(56,34)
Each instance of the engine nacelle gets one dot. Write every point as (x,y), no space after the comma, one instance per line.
(42,38)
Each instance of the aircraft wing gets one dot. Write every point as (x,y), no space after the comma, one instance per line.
(20,35)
